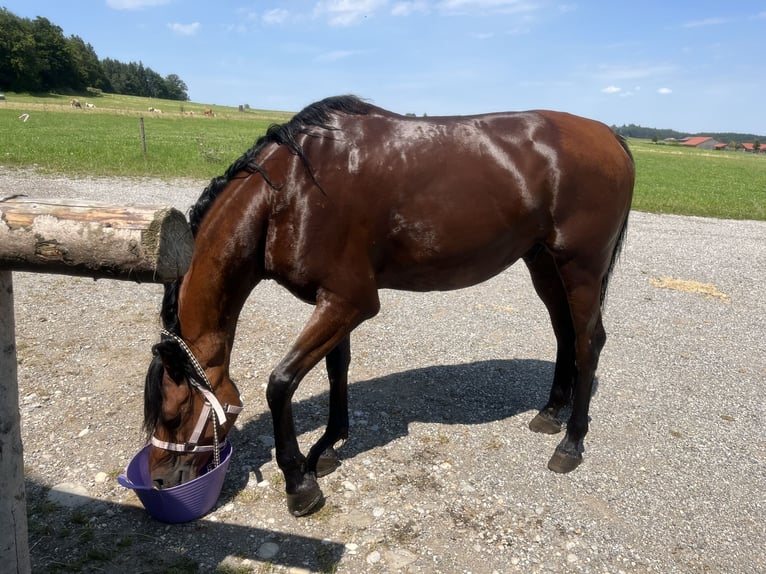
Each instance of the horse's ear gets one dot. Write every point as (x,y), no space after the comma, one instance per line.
(173,359)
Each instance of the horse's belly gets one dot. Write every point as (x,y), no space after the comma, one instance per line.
(438,271)
(451,245)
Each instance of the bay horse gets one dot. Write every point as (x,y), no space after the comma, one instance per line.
(347,198)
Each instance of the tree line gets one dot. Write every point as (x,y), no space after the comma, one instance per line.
(36,57)
(634,131)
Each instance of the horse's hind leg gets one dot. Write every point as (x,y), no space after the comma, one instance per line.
(550,289)
(323,457)
(583,285)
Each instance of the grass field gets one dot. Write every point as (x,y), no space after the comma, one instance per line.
(182,142)
(671,179)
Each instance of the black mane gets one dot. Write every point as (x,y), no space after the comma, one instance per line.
(316,115)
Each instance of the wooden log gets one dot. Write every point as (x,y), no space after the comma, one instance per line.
(14,548)
(141,243)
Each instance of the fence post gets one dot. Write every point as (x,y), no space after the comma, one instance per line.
(14,548)
(143,134)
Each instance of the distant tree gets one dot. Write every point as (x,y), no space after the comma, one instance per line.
(35,56)
(54,62)
(155,85)
(18,61)
(176,88)
(756,146)
(113,75)
(88,72)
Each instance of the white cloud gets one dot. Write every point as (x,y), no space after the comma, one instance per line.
(185,29)
(275,16)
(407,8)
(134,4)
(704,22)
(633,71)
(505,6)
(336,55)
(664,91)
(612,90)
(348,12)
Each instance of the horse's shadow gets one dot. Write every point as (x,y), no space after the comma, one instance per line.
(383,408)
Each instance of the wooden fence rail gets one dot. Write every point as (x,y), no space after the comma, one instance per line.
(136,243)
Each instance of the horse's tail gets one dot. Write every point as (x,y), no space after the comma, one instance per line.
(624,228)
(615,255)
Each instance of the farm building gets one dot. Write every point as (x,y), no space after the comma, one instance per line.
(750,147)
(700,142)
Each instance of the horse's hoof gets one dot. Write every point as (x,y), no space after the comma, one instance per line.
(306,499)
(545,424)
(328,462)
(563,462)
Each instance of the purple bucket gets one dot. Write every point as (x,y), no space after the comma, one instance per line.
(182,503)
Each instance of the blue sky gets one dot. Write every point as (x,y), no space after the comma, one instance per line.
(690,65)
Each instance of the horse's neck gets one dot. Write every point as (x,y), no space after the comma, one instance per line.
(221,276)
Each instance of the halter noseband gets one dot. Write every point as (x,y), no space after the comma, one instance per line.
(212,410)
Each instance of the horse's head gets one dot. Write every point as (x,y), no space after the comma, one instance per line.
(185,415)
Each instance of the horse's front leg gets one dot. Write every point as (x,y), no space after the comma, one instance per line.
(330,324)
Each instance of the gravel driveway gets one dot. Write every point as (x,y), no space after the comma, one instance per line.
(441,473)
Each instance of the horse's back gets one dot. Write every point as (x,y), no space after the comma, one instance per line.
(447,202)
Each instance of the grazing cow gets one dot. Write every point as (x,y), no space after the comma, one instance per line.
(89,105)
(75,103)
(155,110)
(209,113)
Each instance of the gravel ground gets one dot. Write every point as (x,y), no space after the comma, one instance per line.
(441,473)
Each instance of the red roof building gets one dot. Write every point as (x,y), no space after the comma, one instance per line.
(701,142)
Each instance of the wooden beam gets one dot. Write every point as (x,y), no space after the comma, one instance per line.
(140,242)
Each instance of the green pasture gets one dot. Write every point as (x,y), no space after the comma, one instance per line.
(106,140)
(672,179)
(183,142)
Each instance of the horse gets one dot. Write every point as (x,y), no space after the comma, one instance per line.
(347,198)
(75,103)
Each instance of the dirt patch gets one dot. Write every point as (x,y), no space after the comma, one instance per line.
(687,286)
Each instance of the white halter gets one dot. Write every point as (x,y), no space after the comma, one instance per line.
(212,410)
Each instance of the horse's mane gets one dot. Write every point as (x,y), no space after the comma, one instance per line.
(316,115)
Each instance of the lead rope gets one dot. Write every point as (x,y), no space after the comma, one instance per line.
(216,446)
(197,367)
